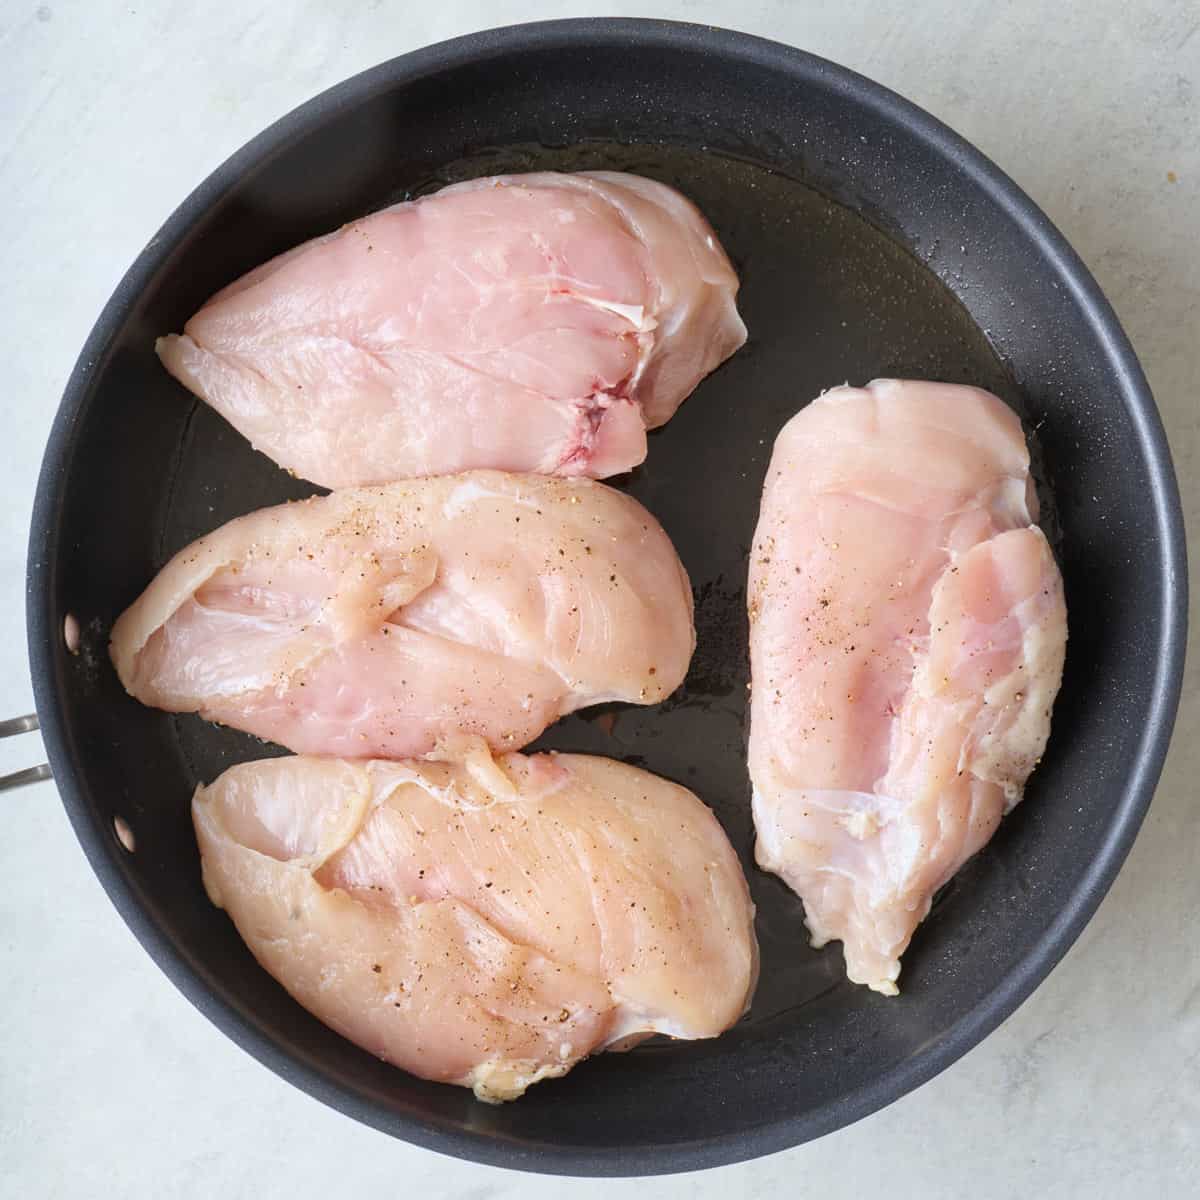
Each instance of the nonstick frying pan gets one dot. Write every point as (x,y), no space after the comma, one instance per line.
(871,241)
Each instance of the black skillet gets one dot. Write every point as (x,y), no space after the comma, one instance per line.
(871,241)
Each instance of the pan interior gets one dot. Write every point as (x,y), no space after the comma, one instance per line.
(827,299)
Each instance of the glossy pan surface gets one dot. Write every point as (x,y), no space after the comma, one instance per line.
(870,241)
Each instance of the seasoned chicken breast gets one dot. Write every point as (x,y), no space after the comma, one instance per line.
(371,622)
(907,635)
(535,322)
(483,922)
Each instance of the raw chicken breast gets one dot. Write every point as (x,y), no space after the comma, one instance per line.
(370,622)
(906,643)
(524,322)
(483,922)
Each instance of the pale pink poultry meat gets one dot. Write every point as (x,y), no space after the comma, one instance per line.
(536,322)
(479,921)
(907,638)
(371,622)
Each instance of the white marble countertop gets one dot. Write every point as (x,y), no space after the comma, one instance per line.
(111,1084)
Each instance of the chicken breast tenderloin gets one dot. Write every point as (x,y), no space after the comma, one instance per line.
(536,322)
(371,622)
(907,636)
(483,922)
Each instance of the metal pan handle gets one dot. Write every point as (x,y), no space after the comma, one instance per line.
(26,724)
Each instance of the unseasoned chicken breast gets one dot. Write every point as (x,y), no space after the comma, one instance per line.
(371,622)
(535,322)
(907,635)
(483,922)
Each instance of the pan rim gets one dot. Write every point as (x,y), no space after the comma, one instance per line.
(1039,959)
